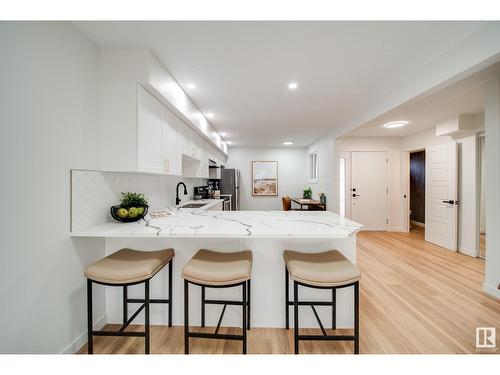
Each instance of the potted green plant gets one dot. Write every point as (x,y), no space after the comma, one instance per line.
(132,207)
(307,193)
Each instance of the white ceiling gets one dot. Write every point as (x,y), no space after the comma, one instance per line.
(241,69)
(463,97)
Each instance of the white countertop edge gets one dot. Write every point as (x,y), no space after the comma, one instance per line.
(190,236)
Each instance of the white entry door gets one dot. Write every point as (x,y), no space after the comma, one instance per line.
(369,189)
(441,196)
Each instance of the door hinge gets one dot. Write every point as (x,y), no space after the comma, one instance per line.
(387,221)
(387,160)
(387,191)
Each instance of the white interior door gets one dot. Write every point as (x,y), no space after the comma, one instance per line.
(369,189)
(441,181)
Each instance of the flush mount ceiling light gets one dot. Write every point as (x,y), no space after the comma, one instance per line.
(228,142)
(395,124)
(191,86)
(293,85)
(287,143)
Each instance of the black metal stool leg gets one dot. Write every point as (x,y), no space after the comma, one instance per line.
(186,317)
(125,305)
(296,316)
(356,318)
(90,344)
(287,311)
(203,306)
(170,293)
(146,317)
(334,308)
(244,314)
(248,304)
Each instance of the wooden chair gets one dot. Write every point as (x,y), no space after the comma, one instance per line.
(287,203)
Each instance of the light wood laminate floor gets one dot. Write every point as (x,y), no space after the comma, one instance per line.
(415,298)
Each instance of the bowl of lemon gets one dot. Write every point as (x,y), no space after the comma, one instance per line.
(133,207)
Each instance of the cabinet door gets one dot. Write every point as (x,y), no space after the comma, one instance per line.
(186,144)
(150,126)
(204,160)
(172,143)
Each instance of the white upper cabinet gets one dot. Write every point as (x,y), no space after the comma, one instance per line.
(147,122)
(150,133)
(145,139)
(172,143)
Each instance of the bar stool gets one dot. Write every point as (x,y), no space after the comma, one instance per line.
(124,268)
(212,269)
(326,270)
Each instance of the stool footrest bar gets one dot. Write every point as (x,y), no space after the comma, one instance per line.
(327,338)
(139,300)
(134,315)
(214,336)
(118,333)
(315,303)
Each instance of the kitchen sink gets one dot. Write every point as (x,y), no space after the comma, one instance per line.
(193,205)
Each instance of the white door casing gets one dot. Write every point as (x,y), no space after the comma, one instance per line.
(369,189)
(441,194)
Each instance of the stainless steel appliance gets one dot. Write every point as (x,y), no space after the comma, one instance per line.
(230,184)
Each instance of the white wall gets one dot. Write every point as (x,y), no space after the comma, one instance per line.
(327,173)
(492,131)
(291,174)
(49,119)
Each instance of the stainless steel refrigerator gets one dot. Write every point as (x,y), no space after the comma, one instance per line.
(230,184)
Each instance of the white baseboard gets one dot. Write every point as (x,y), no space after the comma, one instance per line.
(491,290)
(82,339)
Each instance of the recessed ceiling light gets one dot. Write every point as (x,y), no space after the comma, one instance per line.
(293,85)
(395,124)
(287,143)
(222,134)
(191,86)
(209,115)
(228,142)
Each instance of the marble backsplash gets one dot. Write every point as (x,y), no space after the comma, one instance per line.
(94,192)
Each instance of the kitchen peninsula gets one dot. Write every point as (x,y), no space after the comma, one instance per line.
(265,233)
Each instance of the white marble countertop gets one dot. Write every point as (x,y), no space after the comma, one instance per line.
(200,223)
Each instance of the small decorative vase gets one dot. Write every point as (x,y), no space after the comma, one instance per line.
(322,199)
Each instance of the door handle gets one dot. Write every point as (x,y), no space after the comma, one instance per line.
(356,195)
(451,201)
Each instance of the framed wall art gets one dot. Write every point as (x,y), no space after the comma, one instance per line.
(264,178)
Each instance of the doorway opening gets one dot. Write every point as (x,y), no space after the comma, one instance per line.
(417,192)
(482,196)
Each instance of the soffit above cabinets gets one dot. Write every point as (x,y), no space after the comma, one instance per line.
(140,65)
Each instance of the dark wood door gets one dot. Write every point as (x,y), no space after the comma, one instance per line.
(417,186)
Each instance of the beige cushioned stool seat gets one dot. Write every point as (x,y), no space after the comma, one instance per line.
(128,266)
(209,267)
(329,268)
